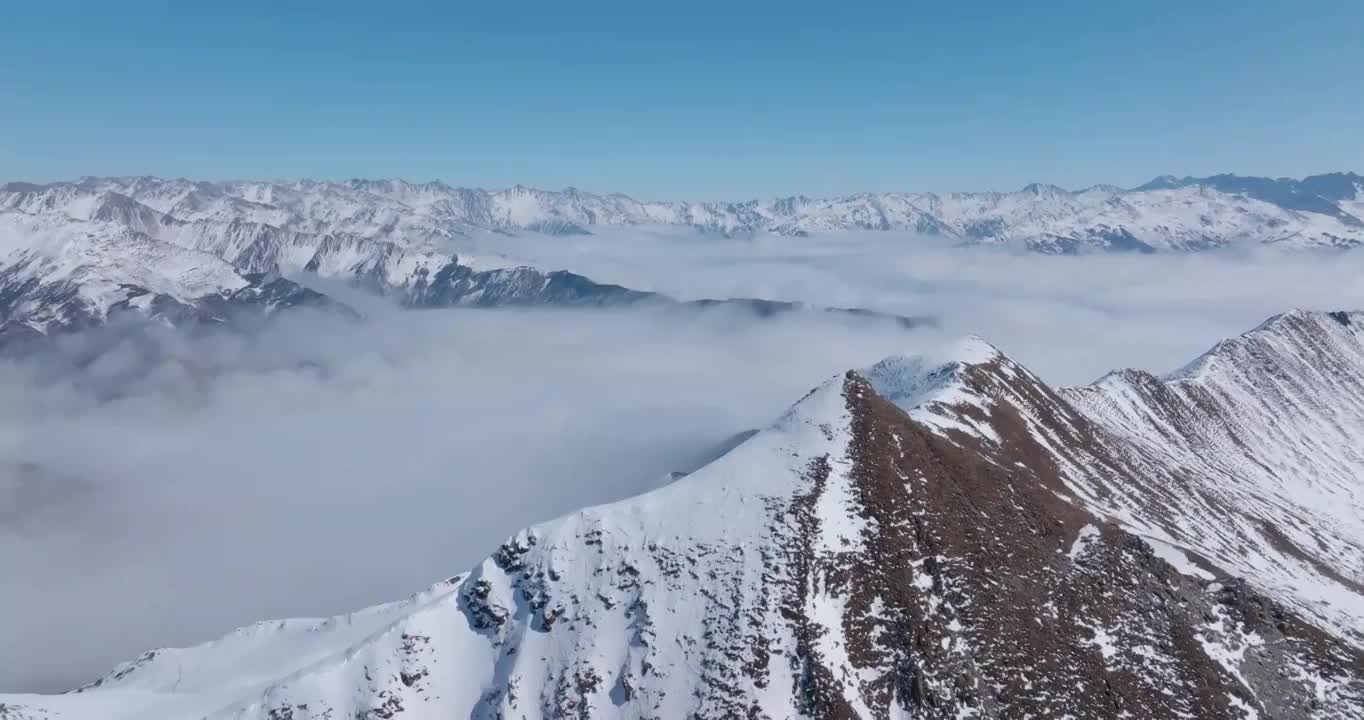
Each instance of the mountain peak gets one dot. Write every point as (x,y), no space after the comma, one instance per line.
(1282,338)
(1041,189)
(1042,217)
(953,388)
(973,350)
(1161,182)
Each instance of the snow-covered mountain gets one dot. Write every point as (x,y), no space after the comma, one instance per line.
(1166,214)
(72,255)
(923,538)
(60,273)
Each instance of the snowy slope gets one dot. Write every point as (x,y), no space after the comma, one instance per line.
(432,218)
(925,538)
(1252,457)
(61,273)
(96,255)
(1248,458)
(1049,219)
(70,268)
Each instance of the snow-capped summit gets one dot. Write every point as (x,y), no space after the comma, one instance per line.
(1334,194)
(394,236)
(1322,333)
(1165,214)
(934,388)
(944,537)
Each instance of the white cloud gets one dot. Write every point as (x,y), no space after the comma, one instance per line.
(179,488)
(195,486)
(1069,318)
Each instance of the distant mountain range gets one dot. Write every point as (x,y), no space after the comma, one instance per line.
(924,538)
(73,253)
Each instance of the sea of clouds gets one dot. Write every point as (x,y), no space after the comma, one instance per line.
(157,489)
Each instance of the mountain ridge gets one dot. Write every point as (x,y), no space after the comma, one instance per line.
(61,274)
(1339,182)
(939,537)
(966,216)
(66,247)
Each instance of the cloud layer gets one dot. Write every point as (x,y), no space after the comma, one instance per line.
(162,490)
(170,490)
(1070,318)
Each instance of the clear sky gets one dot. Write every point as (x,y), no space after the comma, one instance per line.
(672,100)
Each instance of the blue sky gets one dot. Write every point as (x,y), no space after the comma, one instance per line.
(700,100)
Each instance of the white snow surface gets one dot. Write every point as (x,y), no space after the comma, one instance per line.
(1253,460)
(923,385)
(1082,541)
(96,259)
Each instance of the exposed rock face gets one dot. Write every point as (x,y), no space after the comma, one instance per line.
(456,285)
(1006,600)
(919,539)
